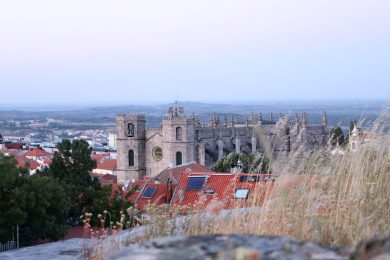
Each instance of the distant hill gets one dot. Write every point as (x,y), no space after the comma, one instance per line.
(339,112)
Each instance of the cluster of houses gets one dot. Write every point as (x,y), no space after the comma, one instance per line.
(190,185)
(193,186)
(38,158)
(33,160)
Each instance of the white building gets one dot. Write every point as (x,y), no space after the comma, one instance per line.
(112,141)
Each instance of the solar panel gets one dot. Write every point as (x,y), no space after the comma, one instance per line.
(241,194)
(252,178)
(149,192)
(195,183)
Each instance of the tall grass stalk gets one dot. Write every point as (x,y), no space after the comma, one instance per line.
(333,200)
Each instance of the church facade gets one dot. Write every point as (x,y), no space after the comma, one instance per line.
(145,152)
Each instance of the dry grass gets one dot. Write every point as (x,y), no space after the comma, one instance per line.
(98,243)
(336,201)
(333,200)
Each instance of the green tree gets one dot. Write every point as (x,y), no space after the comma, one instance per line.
(106,198)
(72,165)
(10,212)
(250,162)
(336,136)
(38,205)
(46,204)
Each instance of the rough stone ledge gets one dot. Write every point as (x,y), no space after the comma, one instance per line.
(227,247)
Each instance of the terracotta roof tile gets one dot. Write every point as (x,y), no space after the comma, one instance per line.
(33,165)
(160,196)
(221,187)
(16,146)
(109,177)
(109,164)
(100,156)
(175,172)
(37,153)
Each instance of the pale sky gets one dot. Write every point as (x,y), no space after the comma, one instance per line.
(92,51)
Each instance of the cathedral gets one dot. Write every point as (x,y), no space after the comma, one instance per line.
(145,152)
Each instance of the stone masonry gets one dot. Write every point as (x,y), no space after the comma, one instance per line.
(145,152)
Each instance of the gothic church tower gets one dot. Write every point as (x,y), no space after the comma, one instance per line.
(130,147)
(178,137)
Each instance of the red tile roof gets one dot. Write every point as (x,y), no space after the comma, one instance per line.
(137,187)
(32,165)
(100,156)
(175,172)
(109,164)
(160,196)
(108,179)
(21,163)
(221,187)
(16,146)
(37,153)
(47,161)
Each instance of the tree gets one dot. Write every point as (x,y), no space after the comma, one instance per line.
(251,163)
(72,165)
(336,136)
(38,205)
(11,214)
(106,198)
(46,204)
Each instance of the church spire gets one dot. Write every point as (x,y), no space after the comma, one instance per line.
(260,121)
(325,120)
(304,119)
(231,121)
(175,108)
(296,119)
(237,120)
(214,120)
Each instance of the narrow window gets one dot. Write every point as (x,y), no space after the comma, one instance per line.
(131,158)
(179,158)
(179,134)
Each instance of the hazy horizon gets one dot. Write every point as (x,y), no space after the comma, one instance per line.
(125,52)
(76,106)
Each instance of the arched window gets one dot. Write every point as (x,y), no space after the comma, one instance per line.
(179,158)
(179,134)
(131,158)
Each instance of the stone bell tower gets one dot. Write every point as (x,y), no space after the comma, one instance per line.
(178,137)
(131,147)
